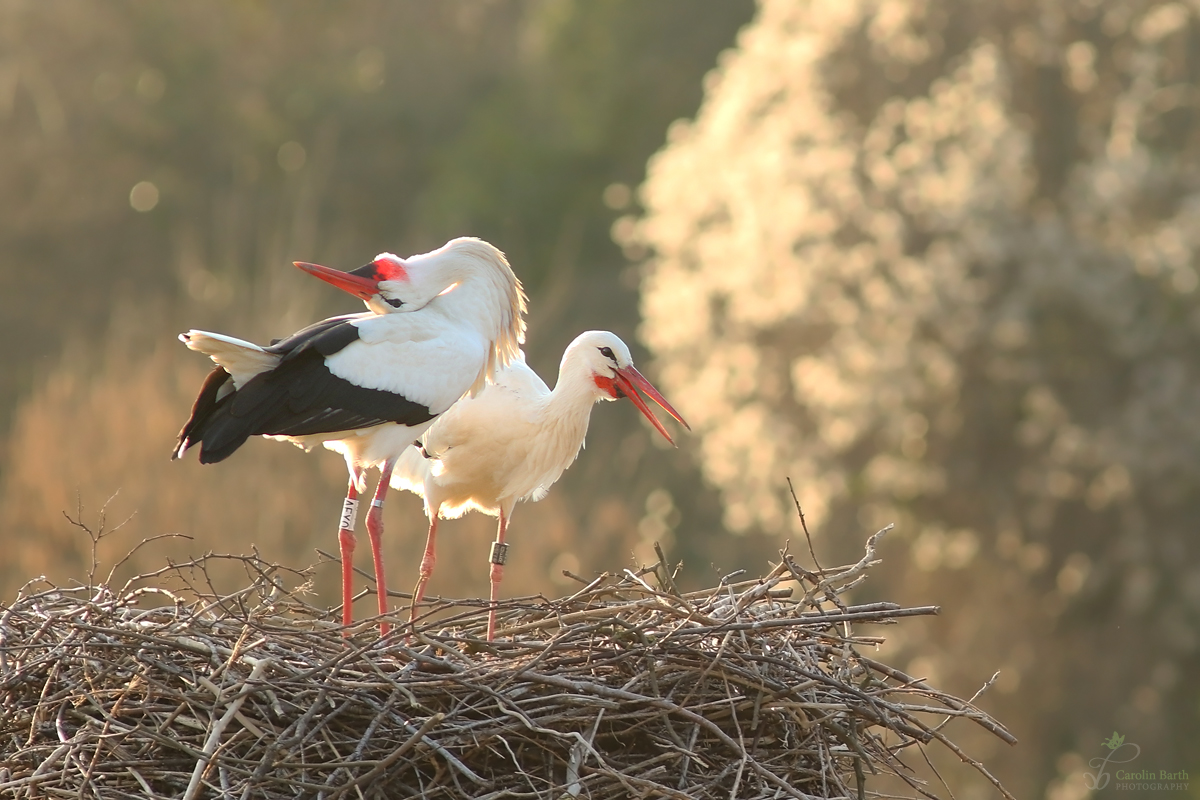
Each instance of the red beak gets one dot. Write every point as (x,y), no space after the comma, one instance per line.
(361,287)
(629,380)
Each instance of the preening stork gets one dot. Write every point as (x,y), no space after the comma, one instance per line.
(365,385)
(514,439)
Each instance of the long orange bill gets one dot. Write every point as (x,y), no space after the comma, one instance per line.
(361,287)
(629,380)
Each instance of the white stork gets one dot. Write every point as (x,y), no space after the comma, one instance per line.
(514,439)
(439,325)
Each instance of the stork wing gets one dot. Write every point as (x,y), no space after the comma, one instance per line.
(299,397)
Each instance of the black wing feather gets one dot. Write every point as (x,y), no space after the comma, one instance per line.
(206,403)
(327,336)
(299,397)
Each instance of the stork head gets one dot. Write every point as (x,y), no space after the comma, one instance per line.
(610,366)
(466,279)
(383,284)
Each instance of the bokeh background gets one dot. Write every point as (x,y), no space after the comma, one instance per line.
(934,260)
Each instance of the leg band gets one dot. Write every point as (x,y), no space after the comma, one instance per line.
(499,553)
(349,514)
(377,503)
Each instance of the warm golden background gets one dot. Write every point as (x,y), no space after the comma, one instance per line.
(935,260)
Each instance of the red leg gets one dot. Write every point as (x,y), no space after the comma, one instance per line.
(427,562)
(346,544)
(498,557)
(375,531)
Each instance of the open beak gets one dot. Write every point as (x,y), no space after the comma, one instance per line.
(629,380)
(362,287)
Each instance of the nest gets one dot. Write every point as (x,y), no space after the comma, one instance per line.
(627,688)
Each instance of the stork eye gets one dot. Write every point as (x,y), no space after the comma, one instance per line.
(393,302)
(608,353)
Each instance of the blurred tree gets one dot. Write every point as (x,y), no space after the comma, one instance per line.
(939,261)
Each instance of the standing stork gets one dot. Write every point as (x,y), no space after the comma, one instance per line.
(514,439)
(438,325)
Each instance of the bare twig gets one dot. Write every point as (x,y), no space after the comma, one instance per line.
(803,525)
(99,533)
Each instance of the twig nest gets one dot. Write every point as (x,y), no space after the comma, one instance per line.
(752,689)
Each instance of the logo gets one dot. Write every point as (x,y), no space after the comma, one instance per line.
(1122,752)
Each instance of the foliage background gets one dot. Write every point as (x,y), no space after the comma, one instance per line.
(933,260)
(965,301)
